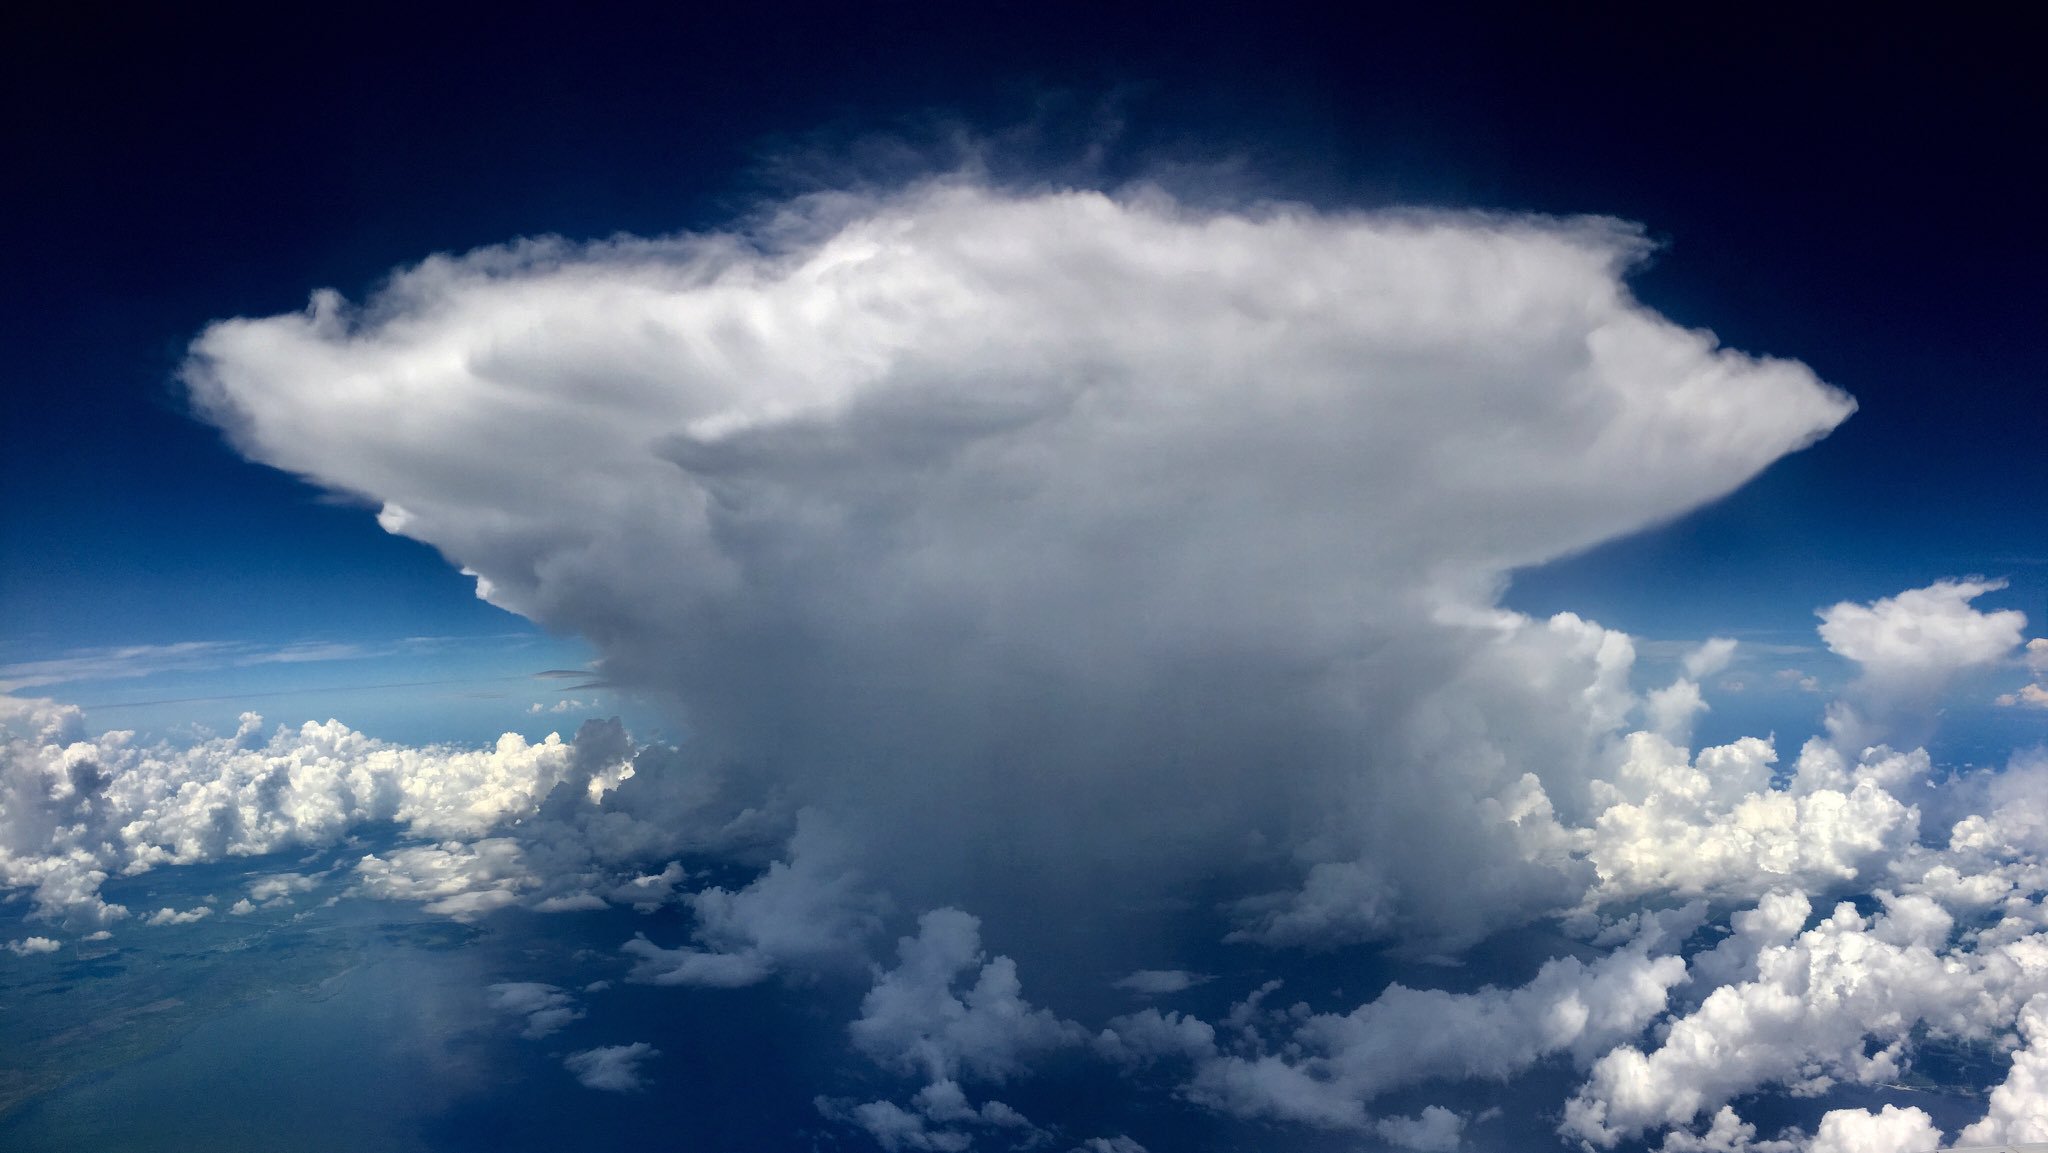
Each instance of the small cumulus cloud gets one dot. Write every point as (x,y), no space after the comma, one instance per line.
(920,1018)
(939,1118)
(1161,982)
(546,1008)
(1923,633)
(1799,679)
(1709,658)
(1434,1130)
(810,911)
(1909,647)
(275,890)
(2033,695)
(564,705)
(1890,1129)
(169,916)
(571,903)
(455,879)
(612,1068)
(29,946)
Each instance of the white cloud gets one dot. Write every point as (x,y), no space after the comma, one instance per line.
(1889,1130)
(276,890)
(1957,951)
(654,965)
(29,946)
(546,1008)
(281,885)
(893,1127)
(174,917)
(571,903)
(454,879)
(1922,633)
(1654,820)
(1838,1003)
(938,1118)
(613,1068)
(1719,824)
(2018,1109)
(1332,1065)
(1672,709)
(1799,679)
(1148,1036)
(2033,695)
(1909,646)
(75,809)
(1161,982)
(185,656)
(1160,548)
(1339,902)
(812,911)
(1709,658)
(1434,1130)
(1727,1133)
(915,1021)
(1201,515)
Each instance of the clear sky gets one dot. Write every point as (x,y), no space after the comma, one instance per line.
(1010,446)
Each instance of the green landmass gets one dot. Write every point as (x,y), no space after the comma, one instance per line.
(97,1006)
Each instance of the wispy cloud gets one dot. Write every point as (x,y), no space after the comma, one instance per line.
(125,661)
(311,690)
(132,662)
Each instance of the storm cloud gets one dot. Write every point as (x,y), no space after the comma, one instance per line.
(1013,558)
(1085,530)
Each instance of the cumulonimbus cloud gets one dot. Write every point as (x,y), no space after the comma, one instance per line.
(989,522)
(1085,552)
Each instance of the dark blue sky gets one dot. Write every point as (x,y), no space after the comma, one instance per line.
(1851,194)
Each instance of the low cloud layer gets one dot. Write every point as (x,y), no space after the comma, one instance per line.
(76,808)
(1717,954)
